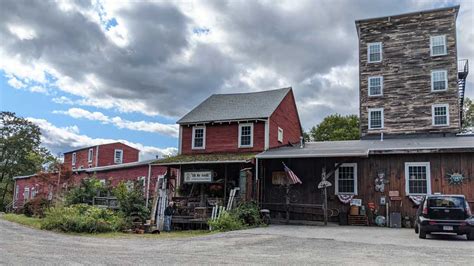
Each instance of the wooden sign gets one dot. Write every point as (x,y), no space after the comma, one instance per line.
(198,177)
(278,178)
(394,193)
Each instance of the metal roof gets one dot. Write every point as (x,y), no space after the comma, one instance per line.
(363,148)
(207,158)
(238,106)
(23,176)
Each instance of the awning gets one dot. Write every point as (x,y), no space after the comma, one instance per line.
(206,159)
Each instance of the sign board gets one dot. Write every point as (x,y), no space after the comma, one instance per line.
(279,178)
(198,177)
(356,202)
(324,184)
(394,193)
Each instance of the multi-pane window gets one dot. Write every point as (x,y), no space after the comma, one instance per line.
(199,138)
(440,113)
(439,80)
(438,45)
(375,86)
(118,156)
(245,135)
(90,155)
(374,52)
(74,158)
(375,118)
(346,179)
(280,134)
(26,194)
(417,178)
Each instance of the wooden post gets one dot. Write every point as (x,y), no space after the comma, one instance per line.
(325,206)
(225,183)
(287,203)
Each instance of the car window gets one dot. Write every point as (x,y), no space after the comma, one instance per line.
(449,202)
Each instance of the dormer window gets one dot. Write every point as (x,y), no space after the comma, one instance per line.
(374,52)
(245,135)
(375,86)
(439,80)
(90,155)
(118,156)
(438,45)
(375,118)
(74,156)
(199,138)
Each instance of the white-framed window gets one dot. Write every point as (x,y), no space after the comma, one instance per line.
(17,191)
(142,182)
(246,135)
(280,134)
(374,52)
(199,137)
(33,192)
(118,156)
(438,45)
(74,157)
(102,182)
(439,80)
(375,118)
(417,178)
(26,194)
(375,86)
(346,179)
(440,114)
(90,155)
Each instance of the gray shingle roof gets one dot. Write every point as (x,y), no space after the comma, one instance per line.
(362,148)
(224,107)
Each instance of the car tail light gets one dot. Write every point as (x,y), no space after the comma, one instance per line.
(432,222)
(425,208)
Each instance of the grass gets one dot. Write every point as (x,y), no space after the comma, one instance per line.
(35,223)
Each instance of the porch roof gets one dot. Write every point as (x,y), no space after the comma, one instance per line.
(364,148)
(206,158)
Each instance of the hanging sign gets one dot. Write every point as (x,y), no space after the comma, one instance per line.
(279,178)
(356,202)
(198,177)
(324,184)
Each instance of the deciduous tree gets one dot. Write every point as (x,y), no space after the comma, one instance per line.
(336,127)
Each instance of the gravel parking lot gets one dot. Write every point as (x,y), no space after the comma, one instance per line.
(271,245)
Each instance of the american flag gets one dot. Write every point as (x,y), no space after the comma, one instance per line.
(293,178)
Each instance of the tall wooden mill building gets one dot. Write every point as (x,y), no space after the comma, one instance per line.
(411,95)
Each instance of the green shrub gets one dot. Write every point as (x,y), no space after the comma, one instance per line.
(226,222)
(85,192)
(249,213)
(82,218)
(131,201)
(35,207)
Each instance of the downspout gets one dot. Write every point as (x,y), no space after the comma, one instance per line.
(148,186)
(97,156)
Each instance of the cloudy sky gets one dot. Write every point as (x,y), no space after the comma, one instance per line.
(92,71)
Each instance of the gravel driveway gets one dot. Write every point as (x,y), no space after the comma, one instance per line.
(281,245)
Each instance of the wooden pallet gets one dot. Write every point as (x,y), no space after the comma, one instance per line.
(358,220)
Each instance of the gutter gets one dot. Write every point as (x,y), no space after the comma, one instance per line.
(148,186)
(202,162)
(281,156)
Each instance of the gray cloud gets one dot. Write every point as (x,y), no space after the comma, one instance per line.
(153,63)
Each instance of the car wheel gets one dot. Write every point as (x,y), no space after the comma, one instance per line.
(416,229)
(470,236)
(422,234)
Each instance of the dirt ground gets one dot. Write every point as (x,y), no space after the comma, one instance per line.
(281,245)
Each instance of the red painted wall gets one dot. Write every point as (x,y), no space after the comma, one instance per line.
(285,117)
(106,155)
(221,138)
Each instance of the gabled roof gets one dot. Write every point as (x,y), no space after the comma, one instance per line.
(237,106)
(364,148)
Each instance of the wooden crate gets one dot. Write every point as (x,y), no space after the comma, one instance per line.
(358,220)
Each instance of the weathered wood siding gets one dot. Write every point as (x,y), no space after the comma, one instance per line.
(406,69)
(309,171)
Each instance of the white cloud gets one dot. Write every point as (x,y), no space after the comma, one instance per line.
(145,126)
(62,139)
(22,32)
(15,83)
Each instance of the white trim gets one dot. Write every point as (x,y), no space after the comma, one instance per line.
(280,137)
(428,177)
(180,140)
(381,85)
(121,156)
(251,135)
(73,158)
(445,46)
(267,135)
(336,178)
(445,80)
(370,116)
(368,52)
(90,155)
(96,155)
(433,114)
(203,138)
(26,190)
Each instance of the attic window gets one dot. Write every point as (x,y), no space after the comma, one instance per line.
(118,156)
(74,156)
(280,135)
(246,135)
(90,155)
